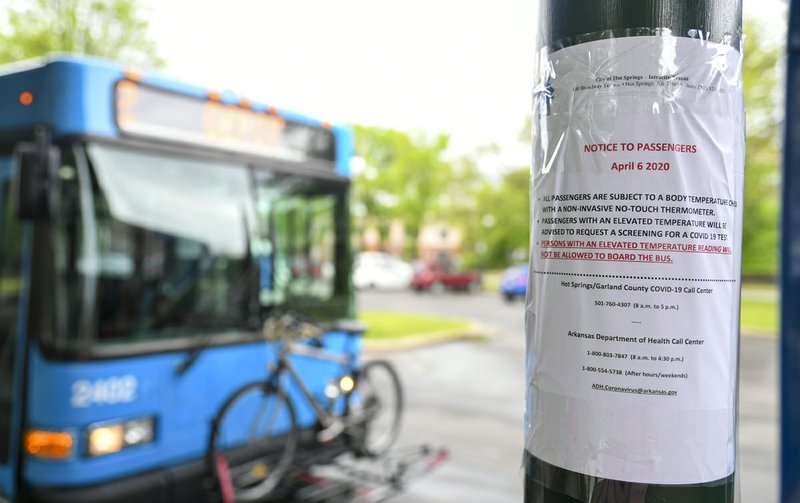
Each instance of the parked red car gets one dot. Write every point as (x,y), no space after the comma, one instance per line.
(437,276)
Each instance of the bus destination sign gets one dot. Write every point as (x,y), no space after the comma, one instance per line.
(147,111)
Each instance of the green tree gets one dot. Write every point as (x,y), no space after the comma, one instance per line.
(762,175)
(404,178)
(113,29)
(500,224)
(510,235)
(461,208)
(494,216)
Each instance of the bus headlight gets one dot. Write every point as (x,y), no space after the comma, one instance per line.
(347,384)
(109,438)
(105,439)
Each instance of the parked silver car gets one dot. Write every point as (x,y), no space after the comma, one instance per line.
(377,270)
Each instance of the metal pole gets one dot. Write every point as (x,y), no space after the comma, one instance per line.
(569,25)
(790,272)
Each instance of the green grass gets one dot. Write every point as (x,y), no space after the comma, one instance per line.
(759,309)
(9,286)
(748,288)
(391,325)
(760,316)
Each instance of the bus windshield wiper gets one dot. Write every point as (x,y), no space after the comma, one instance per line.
(246,282)
(240,291)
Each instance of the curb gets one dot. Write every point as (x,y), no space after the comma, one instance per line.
(759,334)
(416,341)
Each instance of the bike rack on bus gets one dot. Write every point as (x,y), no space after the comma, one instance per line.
(351,479)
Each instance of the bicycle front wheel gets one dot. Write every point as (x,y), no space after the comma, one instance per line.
(253,442)
(376,407)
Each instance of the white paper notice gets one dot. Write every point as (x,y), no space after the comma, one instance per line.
(632,316)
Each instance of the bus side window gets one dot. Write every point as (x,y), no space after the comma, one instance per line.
(297,246)
(287,264)
(306,242)
(322,245)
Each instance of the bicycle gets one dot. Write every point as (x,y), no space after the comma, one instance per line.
(254,437)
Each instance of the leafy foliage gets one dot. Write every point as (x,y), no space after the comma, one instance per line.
(762,176)
(406,178)
(496,234)
(403,179)
(112,29)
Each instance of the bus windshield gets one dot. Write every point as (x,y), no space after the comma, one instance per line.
(150,246)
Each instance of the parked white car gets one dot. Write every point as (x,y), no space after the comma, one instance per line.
(376,270)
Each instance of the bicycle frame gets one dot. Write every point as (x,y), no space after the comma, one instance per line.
(346,361)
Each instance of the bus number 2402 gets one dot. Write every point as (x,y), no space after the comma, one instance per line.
(107,391)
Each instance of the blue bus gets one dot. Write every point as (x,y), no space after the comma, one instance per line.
(146,227)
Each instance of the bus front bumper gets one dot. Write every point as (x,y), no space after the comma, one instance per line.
(185,482)
(188,482)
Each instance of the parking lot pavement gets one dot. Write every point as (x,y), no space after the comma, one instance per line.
(468,397)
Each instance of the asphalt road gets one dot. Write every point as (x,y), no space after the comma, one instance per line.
(468,397)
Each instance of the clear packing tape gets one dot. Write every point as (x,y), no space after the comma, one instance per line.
(633,301)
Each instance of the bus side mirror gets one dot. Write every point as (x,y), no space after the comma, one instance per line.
(36,178)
